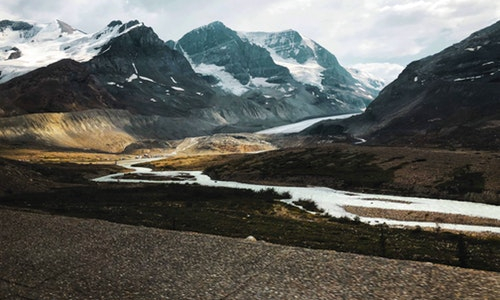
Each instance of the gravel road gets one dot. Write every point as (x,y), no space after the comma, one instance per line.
(53,257)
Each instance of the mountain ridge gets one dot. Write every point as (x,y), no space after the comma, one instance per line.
(449,99)
(307,65)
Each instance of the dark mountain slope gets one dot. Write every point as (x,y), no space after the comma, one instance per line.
(149,77)
(216,44)
(60,87)
(451,99)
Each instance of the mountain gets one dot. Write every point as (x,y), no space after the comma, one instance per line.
(449,99)
(125,72)
(137,86)
(276,69)
(103,91)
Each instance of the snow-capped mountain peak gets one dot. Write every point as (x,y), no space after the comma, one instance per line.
(310,63)
(284,66)
(28,46)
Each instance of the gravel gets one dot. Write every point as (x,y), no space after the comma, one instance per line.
(53,257)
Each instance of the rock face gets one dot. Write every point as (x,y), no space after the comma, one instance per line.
(215,44)
(450,99)
(148,77)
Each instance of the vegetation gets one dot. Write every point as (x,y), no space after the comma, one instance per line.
(330,167)
(461,175)
(191,162)
(308,205)
(464,181)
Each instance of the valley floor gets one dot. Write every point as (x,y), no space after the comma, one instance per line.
(54,257)
(52,185)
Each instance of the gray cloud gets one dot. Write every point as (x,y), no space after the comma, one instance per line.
(356,31)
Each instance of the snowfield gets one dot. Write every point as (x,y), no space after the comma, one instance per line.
(333,201)
(309,72)
(44,44)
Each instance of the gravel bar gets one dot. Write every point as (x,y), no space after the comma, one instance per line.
(53,257)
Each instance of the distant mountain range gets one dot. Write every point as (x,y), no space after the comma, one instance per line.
(65,88)
(212,80)
(450,99)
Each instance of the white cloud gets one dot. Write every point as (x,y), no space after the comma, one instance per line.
(284,7)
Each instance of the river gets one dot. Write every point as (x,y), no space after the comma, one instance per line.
(333,201)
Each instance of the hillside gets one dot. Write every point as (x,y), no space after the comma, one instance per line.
(450,99)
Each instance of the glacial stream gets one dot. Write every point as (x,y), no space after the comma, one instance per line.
(332,201)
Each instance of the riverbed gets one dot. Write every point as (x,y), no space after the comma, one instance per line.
(330,200)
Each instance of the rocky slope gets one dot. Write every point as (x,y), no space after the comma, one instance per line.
(448,99)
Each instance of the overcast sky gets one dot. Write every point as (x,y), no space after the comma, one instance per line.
(356,31)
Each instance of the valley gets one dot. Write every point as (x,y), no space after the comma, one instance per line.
(262,135)
(60,183)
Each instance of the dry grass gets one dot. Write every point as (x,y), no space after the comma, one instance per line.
(425,167)
(193,162)
(420,216)
(57,156)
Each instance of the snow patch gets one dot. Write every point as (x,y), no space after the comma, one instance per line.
(177,88)
(473,49)
(226,81)
(147,79)
(470,78)
(309,72)
(132,78)
(261,82)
